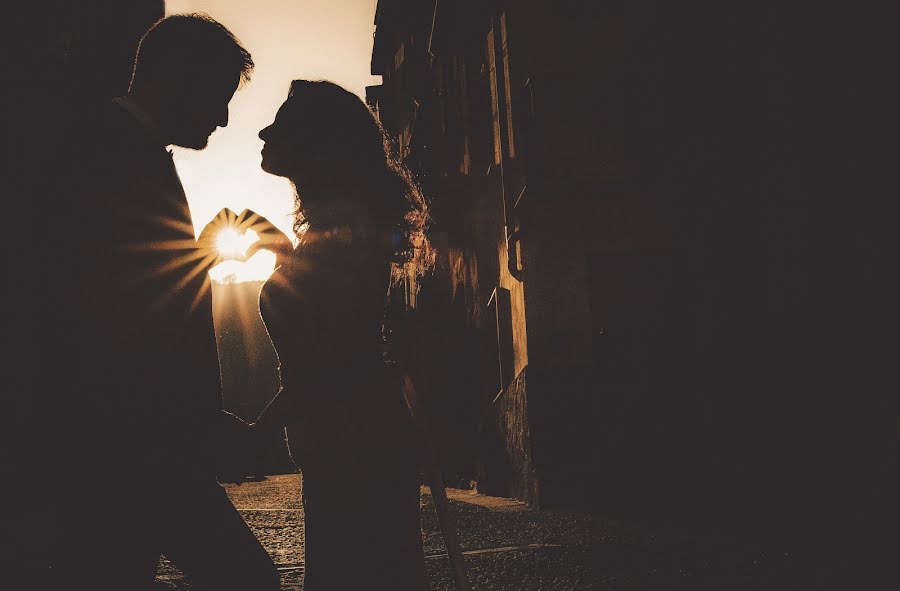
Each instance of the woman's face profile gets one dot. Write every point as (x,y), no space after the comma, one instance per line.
(287,148)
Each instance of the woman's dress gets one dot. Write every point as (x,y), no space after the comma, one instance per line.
(349,430)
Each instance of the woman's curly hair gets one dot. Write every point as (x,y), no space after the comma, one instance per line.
(353,143)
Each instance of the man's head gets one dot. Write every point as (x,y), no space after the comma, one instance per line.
(187,68)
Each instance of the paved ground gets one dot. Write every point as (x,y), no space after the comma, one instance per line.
(512,547)
(508,545)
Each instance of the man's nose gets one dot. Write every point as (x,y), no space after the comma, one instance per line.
(264,133)
(223,118)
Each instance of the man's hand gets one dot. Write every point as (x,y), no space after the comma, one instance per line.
(236,449)
(233,428)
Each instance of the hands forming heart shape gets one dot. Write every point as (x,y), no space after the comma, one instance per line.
(231,236)
(232,244)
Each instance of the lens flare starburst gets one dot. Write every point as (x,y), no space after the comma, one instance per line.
(233,246)
(231,243)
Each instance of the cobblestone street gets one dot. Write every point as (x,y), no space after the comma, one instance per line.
(510,546)
(507,544)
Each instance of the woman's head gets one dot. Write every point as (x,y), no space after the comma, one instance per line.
(330,145)
(322,131)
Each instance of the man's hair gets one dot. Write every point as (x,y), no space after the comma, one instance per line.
(190,44)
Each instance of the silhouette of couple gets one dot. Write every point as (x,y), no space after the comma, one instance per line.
(136,410)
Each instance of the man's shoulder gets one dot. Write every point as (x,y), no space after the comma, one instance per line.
(114,127)
(107,138)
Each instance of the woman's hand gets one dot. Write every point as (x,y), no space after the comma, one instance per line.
(270,237)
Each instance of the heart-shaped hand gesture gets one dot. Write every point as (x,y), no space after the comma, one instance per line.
(223,238)
(270,237)
(220,237)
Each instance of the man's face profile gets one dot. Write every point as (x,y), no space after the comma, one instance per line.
(202,106)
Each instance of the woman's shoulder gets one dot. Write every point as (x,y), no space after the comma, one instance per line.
(334,257)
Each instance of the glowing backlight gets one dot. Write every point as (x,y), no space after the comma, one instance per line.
(233,244)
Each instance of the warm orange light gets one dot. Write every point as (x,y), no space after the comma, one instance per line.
(256,268)
(232,243)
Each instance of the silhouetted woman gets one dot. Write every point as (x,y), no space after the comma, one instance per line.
(361,219)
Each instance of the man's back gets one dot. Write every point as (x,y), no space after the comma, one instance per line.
(131,397)
(136,304)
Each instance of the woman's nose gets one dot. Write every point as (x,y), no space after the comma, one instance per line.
(264,133)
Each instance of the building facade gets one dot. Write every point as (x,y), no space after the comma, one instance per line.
(635,256)
(514,154)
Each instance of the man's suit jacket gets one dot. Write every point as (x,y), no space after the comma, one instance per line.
(136,307)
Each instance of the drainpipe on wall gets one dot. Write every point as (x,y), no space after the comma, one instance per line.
(512,230)
(431,34)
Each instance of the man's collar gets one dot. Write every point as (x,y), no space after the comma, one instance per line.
(143,117)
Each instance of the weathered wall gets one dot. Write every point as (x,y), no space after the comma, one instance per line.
(506,446)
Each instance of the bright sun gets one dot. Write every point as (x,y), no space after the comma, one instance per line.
(232,243)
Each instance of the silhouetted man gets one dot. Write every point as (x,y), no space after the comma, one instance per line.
(137,405)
